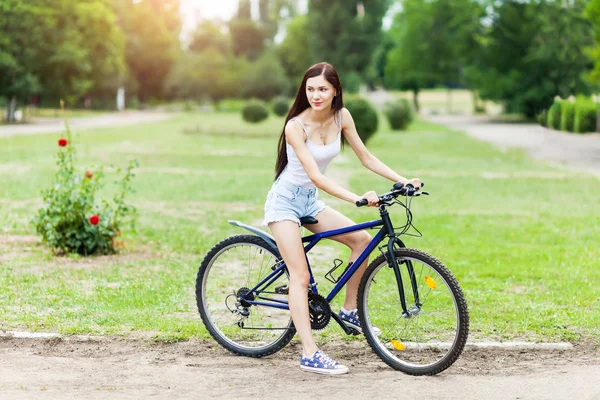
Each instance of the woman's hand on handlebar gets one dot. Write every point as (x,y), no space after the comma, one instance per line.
(372,198)
(416,182)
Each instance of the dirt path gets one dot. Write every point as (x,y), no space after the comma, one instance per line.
(57,125)
(579,151)
(115,368)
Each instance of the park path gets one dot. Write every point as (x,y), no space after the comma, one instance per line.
(125,369)
(47,125)
(581,152)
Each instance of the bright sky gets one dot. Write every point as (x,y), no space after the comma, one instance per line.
(195,10)
(211,9)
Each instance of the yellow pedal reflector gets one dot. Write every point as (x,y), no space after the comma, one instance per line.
(397,345)
(430,282)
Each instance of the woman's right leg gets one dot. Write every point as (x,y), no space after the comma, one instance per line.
(289,242)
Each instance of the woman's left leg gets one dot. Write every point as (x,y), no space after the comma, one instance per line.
(330,219)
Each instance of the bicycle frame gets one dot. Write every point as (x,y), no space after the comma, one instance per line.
(387,230)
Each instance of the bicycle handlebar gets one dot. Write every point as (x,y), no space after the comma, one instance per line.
(399,189)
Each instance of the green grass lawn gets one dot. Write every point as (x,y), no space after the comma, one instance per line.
(521,236)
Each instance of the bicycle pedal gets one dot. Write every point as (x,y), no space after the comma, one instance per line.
(354,332)
(282,289)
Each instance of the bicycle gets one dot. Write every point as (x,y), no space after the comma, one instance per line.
(415,302)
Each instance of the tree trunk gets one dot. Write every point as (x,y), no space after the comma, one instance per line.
(449,101)
(416,100)
(12,106)
(478,108)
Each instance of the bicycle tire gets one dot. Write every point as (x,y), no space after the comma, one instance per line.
(218,250)
(460,304)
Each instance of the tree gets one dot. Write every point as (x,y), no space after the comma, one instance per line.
(208,34)
(244,10)
(22,26)
(592,12)
(342,36)
(86,55)
(380,57)
(294,60)
(265,78)
(208,74)
(247,38)
(435,41)
(270,15)
(61,50)
(152,29)
(411,65)
(532,53)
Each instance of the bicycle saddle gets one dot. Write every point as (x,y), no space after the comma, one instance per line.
(308,220)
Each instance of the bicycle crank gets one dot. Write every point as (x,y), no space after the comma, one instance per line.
(319,310)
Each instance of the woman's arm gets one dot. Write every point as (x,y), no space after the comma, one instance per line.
(367,159)
(295,137)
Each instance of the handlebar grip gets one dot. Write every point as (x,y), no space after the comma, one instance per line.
(362,202)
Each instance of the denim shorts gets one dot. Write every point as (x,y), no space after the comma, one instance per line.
(286,201)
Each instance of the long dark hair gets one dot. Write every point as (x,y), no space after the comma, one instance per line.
(301,104)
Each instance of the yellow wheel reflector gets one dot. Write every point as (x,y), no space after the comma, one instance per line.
(397,345)
(430,282)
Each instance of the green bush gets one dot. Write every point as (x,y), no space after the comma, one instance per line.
(567,116)
(71,220)
(132,103)
(543,118)
(364,115)
(230,105)
(281,107)
(399,114)
(255,111)
(554,115)
(586,114)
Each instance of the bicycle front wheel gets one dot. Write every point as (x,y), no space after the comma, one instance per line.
(431,335)
(226,276)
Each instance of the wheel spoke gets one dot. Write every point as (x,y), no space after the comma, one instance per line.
(238,264)
(430,337)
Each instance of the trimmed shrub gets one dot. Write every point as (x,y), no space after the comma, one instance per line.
(567,116)
(399,114)
(543,118)
(281,107)
(586,114)
(554,115)
(364,115)
(230,105)
(255,111)
(73,219)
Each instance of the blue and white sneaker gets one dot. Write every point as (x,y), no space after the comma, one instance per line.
(350,318)
(320,363)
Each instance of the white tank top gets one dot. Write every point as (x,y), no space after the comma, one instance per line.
(294,171)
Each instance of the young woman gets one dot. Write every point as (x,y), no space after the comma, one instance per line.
(311,138)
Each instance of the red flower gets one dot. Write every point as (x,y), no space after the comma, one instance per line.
(94,219)
(88,174)
(62,142)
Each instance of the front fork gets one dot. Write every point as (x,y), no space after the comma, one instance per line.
(411,273)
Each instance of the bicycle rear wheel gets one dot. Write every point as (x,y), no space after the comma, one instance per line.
(430,337)
(231,269)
